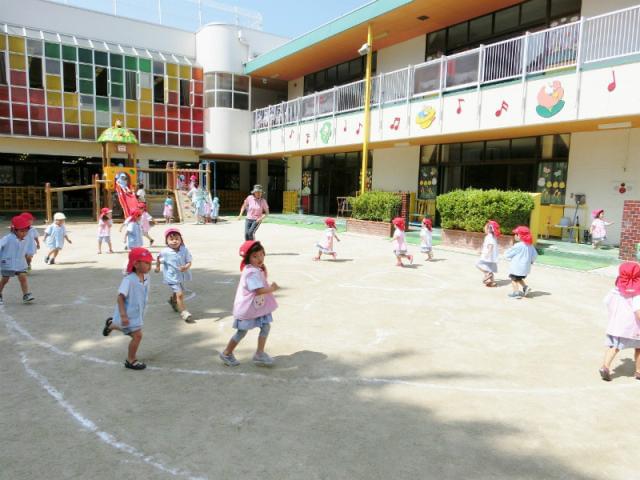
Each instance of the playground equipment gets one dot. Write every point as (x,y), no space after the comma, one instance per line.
(95,186)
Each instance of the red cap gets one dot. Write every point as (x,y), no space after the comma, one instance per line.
(244,248)
(20,222)
(427,223)
(136,214)
(597,212)
(398,222)
(193,177)
(138,254)
(495,227)
(524,233)
(330,222)
(28,215)
(104,211)
(628,281)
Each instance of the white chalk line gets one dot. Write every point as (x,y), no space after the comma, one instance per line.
(12,324)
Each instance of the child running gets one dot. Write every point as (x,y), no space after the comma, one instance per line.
(426,238)
(598,228)
(215,209)
(488,263)
(326,244)
(12,257)
(253,304)
(133,235)
(167,213)
(399,242)
(32,239)
(54,237)
(146,222)
(623,329)
(176,261)
(522,256)
(104,229)
(133,295)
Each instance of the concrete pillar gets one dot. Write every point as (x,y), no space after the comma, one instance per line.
(262,172)
(245,180)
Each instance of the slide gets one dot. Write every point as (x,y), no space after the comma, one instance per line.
(184,207)
(128,201)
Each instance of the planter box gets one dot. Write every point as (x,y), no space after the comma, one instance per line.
(472,240)
(383,229)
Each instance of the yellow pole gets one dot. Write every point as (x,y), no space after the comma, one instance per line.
(367,112)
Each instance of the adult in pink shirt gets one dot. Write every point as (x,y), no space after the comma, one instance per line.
(257,209)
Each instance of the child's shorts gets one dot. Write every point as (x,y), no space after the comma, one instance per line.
(425,249)
(11,273)
(176,287)
(400,253)
(106,239)
(515,278)
(131,329)
(487,266)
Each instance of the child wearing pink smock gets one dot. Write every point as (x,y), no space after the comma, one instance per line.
(326,244)
(623,329)
(399,242)
(253,304)
(598,228)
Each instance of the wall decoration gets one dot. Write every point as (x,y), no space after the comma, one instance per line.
(459,109)
(612,86)
(425,117)
(344,128)
(622,187)
(550,99)
(308,138)
(359,128)
(291,134)
(552,182)
(396,124)
(503,108)
(427,182)
(325,132)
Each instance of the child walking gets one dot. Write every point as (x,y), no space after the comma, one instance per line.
(133,295)
(176,261)
(399,243)
(215,209)
(32,239)
(488,263)
(167,213)
(146,222)
(253,304)
(54,237)
(12,257)
(623,329)
(426,238)
(598,228)
(522,256)
(326,244)
(133,234)
(104,229)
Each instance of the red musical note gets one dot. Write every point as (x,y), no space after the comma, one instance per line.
(612,86)
(344,129)
(308,136)
(459,109)
(358,129)
(503,107)
(291,135)
(396,124)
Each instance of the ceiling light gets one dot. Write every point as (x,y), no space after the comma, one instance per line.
(422,18)
(381,35)
(611,126)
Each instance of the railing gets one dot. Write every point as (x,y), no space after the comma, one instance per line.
(595,39)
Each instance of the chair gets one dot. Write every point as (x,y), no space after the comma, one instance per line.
(344,206)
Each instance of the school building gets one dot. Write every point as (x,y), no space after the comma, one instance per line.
(536,95)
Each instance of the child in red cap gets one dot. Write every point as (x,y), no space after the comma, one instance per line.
(133,234)
(33,242)
(488,263)
(12,256)
(326,244)
(623,329)
(522,256)
(104,229)
(598,230)
(253,304)
(399,243)
(133,295)
(176,261)
(426,238)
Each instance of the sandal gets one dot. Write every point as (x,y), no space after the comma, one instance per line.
(136,365)
(606,375)
(107,330)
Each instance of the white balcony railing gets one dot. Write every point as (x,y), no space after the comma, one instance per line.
(608,36)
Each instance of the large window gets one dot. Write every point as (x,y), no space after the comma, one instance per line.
(3,70)
(226,90)
(70,82)
(35,72)
(131,86)
(340,74)
(102,81)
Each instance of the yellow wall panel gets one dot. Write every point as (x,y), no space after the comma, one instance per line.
(145,109)
(17,61)
(3,42)
(70,116)
(54,99)
(115,117)
(172,69)
(71,100)
(54,82)
(173,84)
(16,44)
(145,94)
(185,71)
(132,106)
(86,117)
(132,121)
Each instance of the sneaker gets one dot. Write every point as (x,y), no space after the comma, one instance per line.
(517,295)
(526,290)
(229,360)
(28,298)
(151,243)
(28,268)
(262,360)
(173,304)
(186,316)
(1,300)
(605,374)
(46,260)
(52,261)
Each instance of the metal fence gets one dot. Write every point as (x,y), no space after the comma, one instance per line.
(612,35)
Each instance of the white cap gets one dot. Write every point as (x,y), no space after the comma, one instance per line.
(59,216)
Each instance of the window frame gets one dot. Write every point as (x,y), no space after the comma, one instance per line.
(213,79)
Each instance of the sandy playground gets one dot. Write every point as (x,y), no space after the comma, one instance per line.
(380,372)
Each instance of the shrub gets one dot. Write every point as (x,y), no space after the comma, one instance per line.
(379,206)
(470,209)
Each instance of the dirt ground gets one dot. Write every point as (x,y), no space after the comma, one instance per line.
(380,372)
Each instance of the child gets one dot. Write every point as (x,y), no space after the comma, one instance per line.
(133,235)
(146,222)
(140,193)
(399,242)
(488,263)
(167,213)
(12,256)
(253,304)
(54,237)
(598,228)
(326,244)
(33,242)
(104,229)
(623,329)
(176,260)
(522,256)
(426,241)
(133,295)
(193,182)
(123,180)
(198,199)
(180,182)
(215,209)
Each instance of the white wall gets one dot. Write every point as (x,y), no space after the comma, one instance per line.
(226,131)
(294,173)
(296,88)
(597,7)
(598,162)
(59,18)
(402,54)
(396,169)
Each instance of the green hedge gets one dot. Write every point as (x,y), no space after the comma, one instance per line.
(379,206)
(470,209)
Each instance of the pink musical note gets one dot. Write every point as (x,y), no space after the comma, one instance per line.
(612,86)
(503,107)
(308,136)
(358,129)
(291,135)
(459,109)
(344,129)
(396,124)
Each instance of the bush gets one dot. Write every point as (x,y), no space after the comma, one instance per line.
(470,209)
(378,206)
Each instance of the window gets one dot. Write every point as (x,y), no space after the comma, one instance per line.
(158,89)
(185,94)
(69,73)
(480,28)
(3,70)
(457,36)
(436,43)
(564,7)
(533,11)
(52,66)
(225,90)
(338,74)
(131,87)
(35,72)
(506,19)
(102,81)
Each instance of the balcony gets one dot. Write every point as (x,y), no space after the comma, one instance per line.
(579,71)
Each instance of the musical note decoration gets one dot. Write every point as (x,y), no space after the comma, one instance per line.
(612,86)
(503,108)
(291,134)
(359,128)
(459,109)
(308,135)
(344,129)
(396,124)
